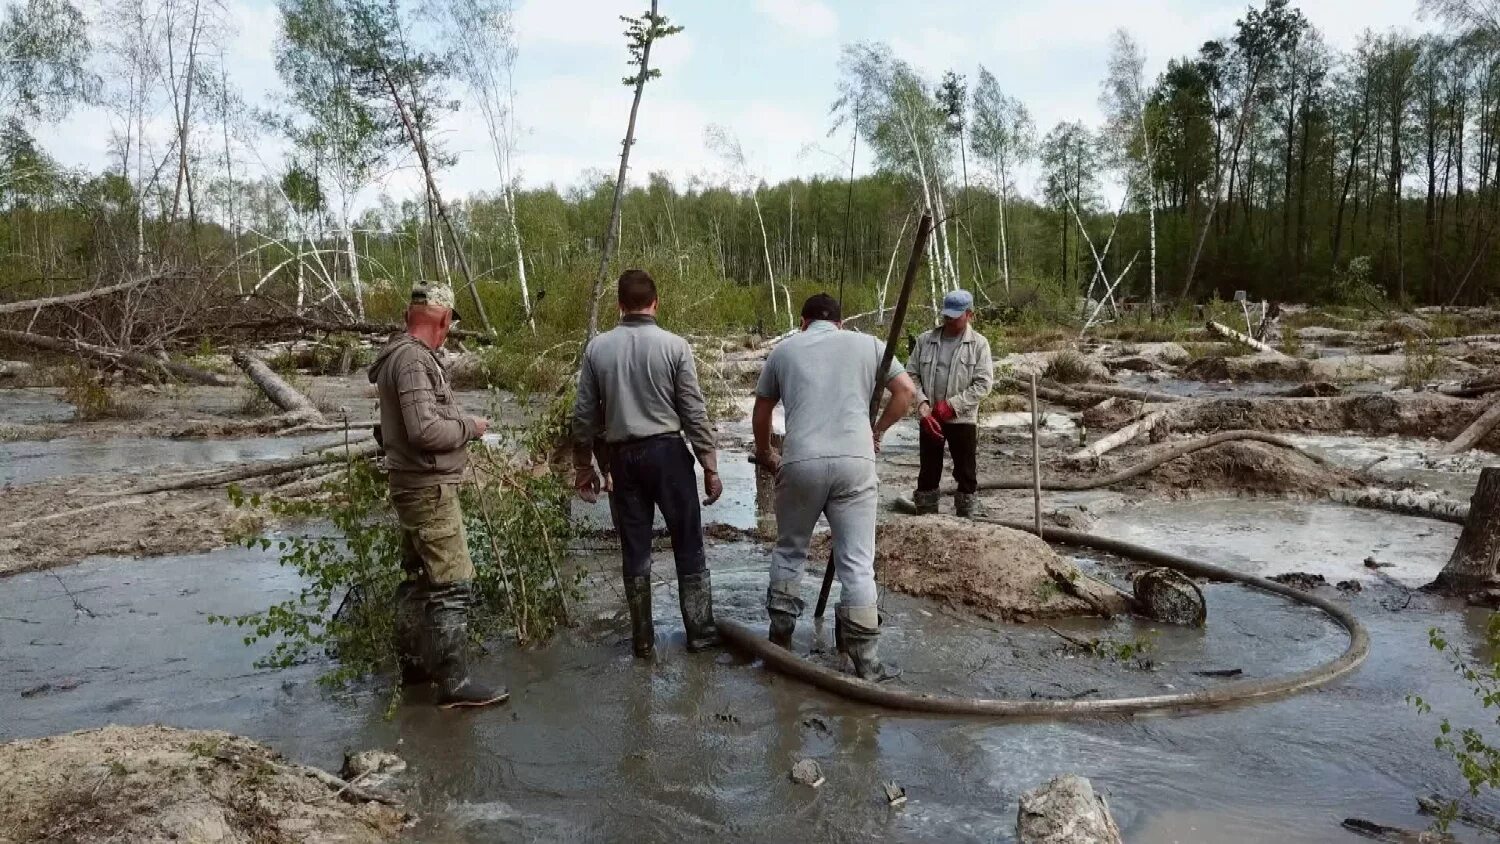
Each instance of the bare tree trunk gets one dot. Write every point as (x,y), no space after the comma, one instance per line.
(610,236)
(765,245)
(281,394)
(133,360)
(354,281)
(515,240)
(1475,564)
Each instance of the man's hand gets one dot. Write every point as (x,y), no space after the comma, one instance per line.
(933,426)
(481,425)
(944,411)
(713,487)
(768,460)
(924,408)
(586,483)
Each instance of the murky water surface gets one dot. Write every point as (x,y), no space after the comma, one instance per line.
(33,405)
(29,461)
(596,745)
(1404,459)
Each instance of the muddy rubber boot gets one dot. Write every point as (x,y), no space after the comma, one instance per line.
(411,630)
(784,606)
(927,502)
(966,505)
(861,642)
(696,596)
(642,630)
(448,620)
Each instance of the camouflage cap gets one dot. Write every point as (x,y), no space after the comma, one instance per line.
(440,295)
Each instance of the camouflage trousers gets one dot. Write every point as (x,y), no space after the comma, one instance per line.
(434,547)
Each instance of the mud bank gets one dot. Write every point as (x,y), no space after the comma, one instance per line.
(150,784)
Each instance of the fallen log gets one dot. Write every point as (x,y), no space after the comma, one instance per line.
(134,360)
(281,394)
(1243,339)
(1476,431)
(1394,834)
(245,471)
(1118,438)
(71,298)
(1121,393)
(1387,348)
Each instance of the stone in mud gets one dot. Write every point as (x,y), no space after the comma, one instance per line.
(1349,586)
(806,772)
(373,768)
(1300,579)
(1171,597)
(1065,811)
(998,573)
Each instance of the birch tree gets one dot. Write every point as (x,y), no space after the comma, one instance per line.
(1123,99)
(724,144)
(1005,136)
(44,49)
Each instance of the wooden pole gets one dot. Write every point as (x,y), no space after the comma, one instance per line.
(913,266)
(1036,459)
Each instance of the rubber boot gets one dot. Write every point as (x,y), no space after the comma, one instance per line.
(861,643)
(411,630)
(448,622)
(926,501)
(696,596)
(642,630)
(784,606)
(966,505)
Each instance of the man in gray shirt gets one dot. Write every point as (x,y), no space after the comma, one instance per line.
(638,387)
(824,377)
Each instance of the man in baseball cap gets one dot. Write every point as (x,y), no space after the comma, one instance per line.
(953,371)
(435,295)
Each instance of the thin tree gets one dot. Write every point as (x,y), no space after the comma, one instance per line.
(1124,101)
(1004,134)
(640,34)
(727,146)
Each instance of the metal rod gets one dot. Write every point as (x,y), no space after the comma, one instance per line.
(1036,460)
(898,318)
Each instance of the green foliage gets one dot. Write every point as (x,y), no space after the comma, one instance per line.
(517,529)
(1478,761)
(1132,653)
(84,388)
(1068,367)
(44,50)
(1424,363)
(640,33)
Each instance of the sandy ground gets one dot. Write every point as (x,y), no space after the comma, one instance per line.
(158,784)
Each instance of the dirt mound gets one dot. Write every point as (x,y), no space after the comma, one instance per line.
(1412,415)
(150,784)
(998,573)
(1249,467)
(1262,367)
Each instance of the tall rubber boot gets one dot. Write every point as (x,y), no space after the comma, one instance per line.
(927,502)
(411,630)
(861,635)
(784,606)
(966,505)
(696,596)
(642,630)
(448,620)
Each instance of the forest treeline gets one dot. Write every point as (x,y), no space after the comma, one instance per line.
(1264,161)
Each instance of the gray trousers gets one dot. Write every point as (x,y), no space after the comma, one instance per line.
(843,489)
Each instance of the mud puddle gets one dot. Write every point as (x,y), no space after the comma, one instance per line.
(1403,459)
(33,405)
(30,461)
(598,746)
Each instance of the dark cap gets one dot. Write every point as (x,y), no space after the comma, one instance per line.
(440,295)
(822,306)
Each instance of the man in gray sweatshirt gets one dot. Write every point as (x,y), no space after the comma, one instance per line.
(425,435)
(638,388)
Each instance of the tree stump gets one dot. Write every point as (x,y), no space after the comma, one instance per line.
(1475,564)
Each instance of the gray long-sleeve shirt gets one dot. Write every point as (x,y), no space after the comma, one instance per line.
(639,380)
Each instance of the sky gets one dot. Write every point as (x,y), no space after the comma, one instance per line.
(766,70)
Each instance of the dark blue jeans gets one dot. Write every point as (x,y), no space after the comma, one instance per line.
(650,474)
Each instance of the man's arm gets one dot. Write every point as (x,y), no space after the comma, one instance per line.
(760,426)
(692,411)
(914,370)
(984,381)
(585,415)
(903,393)
(427,427)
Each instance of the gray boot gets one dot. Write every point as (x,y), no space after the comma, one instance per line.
(966,505)
(411,630)
(859,629)
(642,630)
(696,595)
(784,607)
(927,502)
(448,624)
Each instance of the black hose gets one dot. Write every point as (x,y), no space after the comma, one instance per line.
(742,638)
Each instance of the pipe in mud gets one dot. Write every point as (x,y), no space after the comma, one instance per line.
(744,639)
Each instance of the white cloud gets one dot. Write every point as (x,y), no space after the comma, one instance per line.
(801,18)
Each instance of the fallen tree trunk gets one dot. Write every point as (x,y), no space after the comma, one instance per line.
(1429,505)
(1387,348)
(1243,339)
(281,394)
(70,298)
(1118,438)
(1121,393)
(134,360)
(1477,430)
(244,471)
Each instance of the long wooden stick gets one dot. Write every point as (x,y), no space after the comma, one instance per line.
(1230,334)
(898,318)
(1036,459)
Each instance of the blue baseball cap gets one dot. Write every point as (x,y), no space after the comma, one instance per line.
(957,303)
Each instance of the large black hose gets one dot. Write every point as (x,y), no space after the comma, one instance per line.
(742,638)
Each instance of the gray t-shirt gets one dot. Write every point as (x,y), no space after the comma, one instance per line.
(942,367)
(824,378)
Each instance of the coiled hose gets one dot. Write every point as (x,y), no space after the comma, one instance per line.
(750,642)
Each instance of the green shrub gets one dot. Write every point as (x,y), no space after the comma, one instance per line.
(1068,367)
(92,399)
(1478,761)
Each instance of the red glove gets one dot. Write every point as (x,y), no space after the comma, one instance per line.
(933,426)
(944,411)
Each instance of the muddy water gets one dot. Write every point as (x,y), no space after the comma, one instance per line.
(29,461)
(33,405)
(598,746)
(1403,459)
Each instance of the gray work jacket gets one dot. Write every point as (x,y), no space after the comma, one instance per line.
(971,374)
